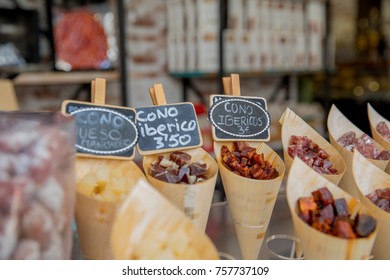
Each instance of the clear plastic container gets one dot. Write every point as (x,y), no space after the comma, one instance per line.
(37,185)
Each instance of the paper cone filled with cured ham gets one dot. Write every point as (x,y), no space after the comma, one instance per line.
(102,185)
(187,178)
(374,192)
(330,223)
(251,173)
(149,227)
(380,130)
(300,139)
(346,137)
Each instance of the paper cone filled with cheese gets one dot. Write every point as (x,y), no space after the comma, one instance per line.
(374,192)
(330,223)
(380,130)
(187,178)
(251,173)
(300,139)
(346,137)
(149,227)
(102,185)
(105,173)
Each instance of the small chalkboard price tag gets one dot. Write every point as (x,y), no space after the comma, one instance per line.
(167,128)
(239,118)
(103,131)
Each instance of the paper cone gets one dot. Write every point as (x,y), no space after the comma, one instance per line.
(250,201)
(374,118)
(301,182)
(368,178)
(338,124)
(148,226)
(194,200)
(94,218)
(292,124)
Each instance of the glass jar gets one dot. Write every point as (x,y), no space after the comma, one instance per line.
(37,185)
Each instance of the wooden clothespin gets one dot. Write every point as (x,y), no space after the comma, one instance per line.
(98,91)
(231,85)
(8,96)
(157,94)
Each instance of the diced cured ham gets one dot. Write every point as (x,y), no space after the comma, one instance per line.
(381,198)
(383,130)
(364,144)
(309,152)
(178,169)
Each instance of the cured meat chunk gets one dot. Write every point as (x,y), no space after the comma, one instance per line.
(259,159)
(167,176)
(198,169)
(239,146)
(342,228)
(321,224)
(384,155)
(383,204)
(156,169)
(364,225)
(180,158)
(323,195)
(341,207)
(327,213)
(384,193)
(248,152)
(305,206)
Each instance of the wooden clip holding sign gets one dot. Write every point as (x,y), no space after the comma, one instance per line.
(167,127)
(103,131)
(234,117)
(8,96)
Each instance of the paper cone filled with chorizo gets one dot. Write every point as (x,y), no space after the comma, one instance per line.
(252,174)
(373,186)
(330,223)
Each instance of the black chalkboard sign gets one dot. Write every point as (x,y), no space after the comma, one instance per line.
(239,118)
(103,131)
(167,127)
